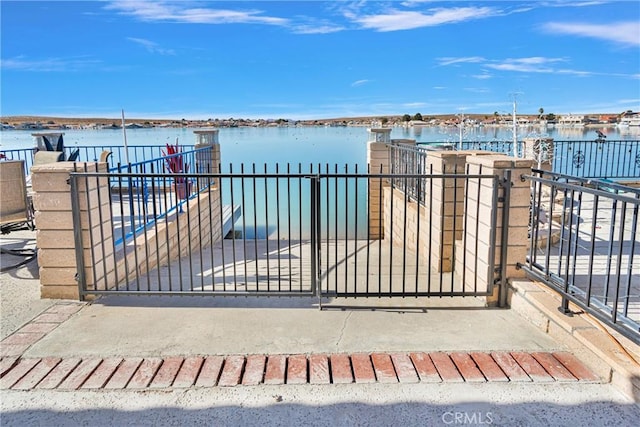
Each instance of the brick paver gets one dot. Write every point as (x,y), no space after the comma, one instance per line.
(383,367)
(42,328)
(319,369)
(446,368)
(276,369)
(341,369)
(531,367)
(23,338)
(404,368)
(145,373)
(123,373)
(167,372)
(510,367)
(19,370)
(80,374)
(254,369)
(180,372)
(577,369)
(210,371)
(297,369)
(102,373)
(553,367)
(36,375)
(6,363)
(467,367)
(188,372)
(231,371)
(58,374)
(362,368)
(13,350)
(425,368)
(489,367)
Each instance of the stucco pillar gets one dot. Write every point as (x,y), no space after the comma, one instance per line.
(480,211)
(55,226)
(444,205)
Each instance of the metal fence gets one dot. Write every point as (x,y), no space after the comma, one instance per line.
(288,231)
(597,159)
(585,244)
(91,153)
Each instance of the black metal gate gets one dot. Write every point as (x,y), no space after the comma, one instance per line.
(325,232)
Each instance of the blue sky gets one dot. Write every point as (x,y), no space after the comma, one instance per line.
(314,59)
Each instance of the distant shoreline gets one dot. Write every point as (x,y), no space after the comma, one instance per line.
(61,123)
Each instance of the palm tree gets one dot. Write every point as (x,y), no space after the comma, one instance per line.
(541,111)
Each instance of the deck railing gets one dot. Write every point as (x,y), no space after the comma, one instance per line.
(597,159)
(585,244)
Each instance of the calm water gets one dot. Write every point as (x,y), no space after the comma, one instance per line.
(344,202)
(342,145)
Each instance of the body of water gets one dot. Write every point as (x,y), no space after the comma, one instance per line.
(270,145)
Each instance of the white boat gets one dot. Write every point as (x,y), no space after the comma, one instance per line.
(630,121)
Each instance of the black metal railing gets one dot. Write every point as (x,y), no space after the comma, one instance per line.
(597,159)
(585,244)
(288,230)
(92,153)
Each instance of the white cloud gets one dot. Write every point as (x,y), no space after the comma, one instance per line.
(48,64)
(319,29)
(360,82)
(534,64)
(483,76)
(152,47)
(180,12)
(467,59)
(396,20)
(626,33)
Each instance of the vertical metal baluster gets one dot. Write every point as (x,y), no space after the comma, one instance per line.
(607,282)
(623,212)
(368,227)
(233,235)
(430,240)
(455,225)
(222,237)
(244,227)
(346,229)
(632,238)
(404,234)
(391,217)
(289,217)
(328,224)
(255,225)
(155,227)
(335,225)
(266,220)
(418,189)
(380,237)
(278,227)
(355,233)
(300,258)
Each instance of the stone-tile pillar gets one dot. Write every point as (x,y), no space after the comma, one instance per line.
(56,227)
(208,162)
(444,206)
(378,163)
(478,226)
(208,138)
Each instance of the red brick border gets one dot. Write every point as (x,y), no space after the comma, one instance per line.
(234,370)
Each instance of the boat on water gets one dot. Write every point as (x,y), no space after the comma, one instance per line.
(627,121)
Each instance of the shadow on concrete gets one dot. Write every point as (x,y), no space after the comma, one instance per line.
(341,414)
(418,305)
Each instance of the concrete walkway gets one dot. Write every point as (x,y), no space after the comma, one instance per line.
(87,343)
